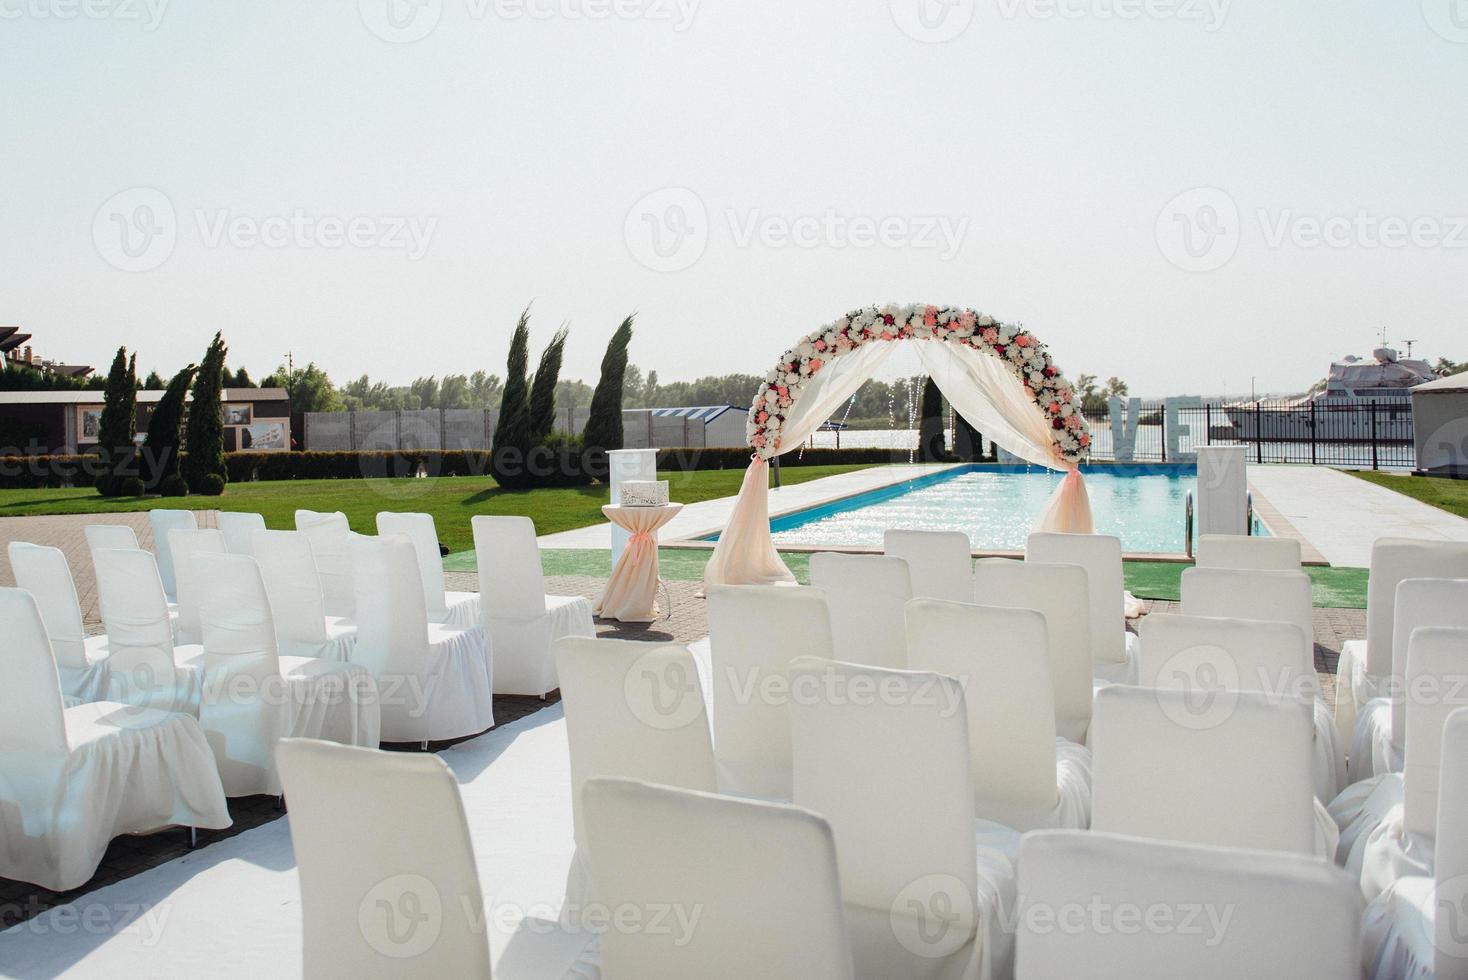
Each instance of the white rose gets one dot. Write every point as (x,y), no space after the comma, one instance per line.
(771,397)
(1066,411)
(985,320)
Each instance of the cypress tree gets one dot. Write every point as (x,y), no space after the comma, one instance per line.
(163,448)
(604,426)
(203,466)
(543,389)
(512,429)
(115,447)
(930,428)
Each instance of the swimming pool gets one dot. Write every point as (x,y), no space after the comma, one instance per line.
(997,507)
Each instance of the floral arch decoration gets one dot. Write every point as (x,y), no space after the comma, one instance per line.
(998,376)
(1017,349)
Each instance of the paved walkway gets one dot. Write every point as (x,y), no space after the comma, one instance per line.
(1341,516)
(710,516)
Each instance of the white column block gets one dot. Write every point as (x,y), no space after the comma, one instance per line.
(1223,487)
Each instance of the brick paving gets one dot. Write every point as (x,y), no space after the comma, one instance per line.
(683,620)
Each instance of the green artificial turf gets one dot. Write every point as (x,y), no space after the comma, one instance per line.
(451,500)
(1439,491)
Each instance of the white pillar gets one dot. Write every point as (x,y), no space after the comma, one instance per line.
(628,464)
(1223,487)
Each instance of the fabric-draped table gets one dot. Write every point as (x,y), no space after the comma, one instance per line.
(631,594)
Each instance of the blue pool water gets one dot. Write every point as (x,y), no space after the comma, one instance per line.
(998,506)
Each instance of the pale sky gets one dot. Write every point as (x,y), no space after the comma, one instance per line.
(1185,193)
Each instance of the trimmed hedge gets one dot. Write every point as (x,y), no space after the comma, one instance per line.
(562,467)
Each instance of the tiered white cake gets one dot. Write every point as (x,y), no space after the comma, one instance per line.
(645,493)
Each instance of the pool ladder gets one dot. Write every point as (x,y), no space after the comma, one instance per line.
(1188,518)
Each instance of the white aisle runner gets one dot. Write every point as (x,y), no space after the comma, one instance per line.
(233,908)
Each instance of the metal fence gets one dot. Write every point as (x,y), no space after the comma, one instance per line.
(1375,435)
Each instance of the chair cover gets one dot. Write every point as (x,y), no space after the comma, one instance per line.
(883,755)
(1364,669)
(183,546)
(1024,776)
(71,779)
(521,620)
(118,536)
(1059,593)
(939,562)
(145,668)
(1112,647)
(1381,725)
(1248,552)
(754,633)
(239,527)
(253,698)
(1228,768)
(1199,653)
(449,608)
(1107,907)
(375,904)
(634,710)
(1237,593)
(81,660)
(1416,928)
(329,535)
(302,628)
(162,522)
(760,877)
(866,596)
(1396,835)
(434,682)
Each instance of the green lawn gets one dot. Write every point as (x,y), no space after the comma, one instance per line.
(451,500)
(1439,491)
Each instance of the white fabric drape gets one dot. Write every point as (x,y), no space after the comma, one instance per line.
(980,389)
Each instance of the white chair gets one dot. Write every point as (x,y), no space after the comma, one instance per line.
(74,778)
(1228,768)
(434,681)
(145,667)
(1416,928)
(363,891)
(449,608)
(302,628)
(1024,776)
(883,755)
(1202,653)
(866,595)
(1058,592)
(1381,723)
(940,562)
(1236,593)
(81,660)
(1248,551)
(754,633)
(162,522)
(521,620)
(330,536)
(762,874)
(114,536)
(1113,653)
(1364,669)
(183,546)
(1388,822)
(239,527)
(253,697)
(1108,907)
(634,710)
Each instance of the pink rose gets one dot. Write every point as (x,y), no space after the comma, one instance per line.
(930,318)
(990,335)
(1055,408)
(760,418)
(815,364)
(966,320)
(820,345)
(1085,439)
(759,440)
(887,336)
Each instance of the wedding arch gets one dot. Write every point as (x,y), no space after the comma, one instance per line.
(998,376)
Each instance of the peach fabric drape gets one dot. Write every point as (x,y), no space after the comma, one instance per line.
(980,389)
(631,594)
